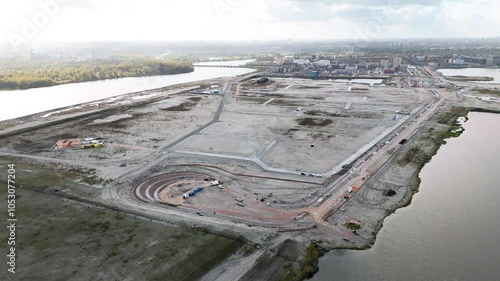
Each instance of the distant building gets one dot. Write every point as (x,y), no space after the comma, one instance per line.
(323,63)
(288,59)
(421,58)
(397,61)
(301,61)
(385,63)
(434,64)
(459,61)
(352,69)
(493,60)
(341,72)
(475,60)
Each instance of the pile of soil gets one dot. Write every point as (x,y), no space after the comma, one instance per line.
(389,192)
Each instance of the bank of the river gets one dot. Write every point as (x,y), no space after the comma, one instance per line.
(480,75)
(25,102)
(368,205)
(461,78)
(347,265)
(22,74)
(400,173)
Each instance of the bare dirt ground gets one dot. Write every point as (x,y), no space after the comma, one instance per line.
(62,239)
(258,139)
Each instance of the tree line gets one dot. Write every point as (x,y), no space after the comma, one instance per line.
(25,75)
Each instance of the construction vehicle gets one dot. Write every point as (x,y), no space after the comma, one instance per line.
(92,145)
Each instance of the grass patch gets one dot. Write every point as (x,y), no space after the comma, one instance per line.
(6,124)
(321,113)
(351,114)
(450,117)
(285,102)
(468,78)
(414,154)
(308,87)
(273,95)
(253,99)
(489,92)
(351,225)
(314,122)
(310,264)
(185,106)
(290,131)
(54,229)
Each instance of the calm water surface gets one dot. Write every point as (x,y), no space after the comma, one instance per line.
(451,229)
(488,72)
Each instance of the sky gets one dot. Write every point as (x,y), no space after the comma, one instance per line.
(175,20)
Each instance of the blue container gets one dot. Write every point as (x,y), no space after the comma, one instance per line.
(192,193)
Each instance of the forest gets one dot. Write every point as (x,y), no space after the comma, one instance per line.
(25,73)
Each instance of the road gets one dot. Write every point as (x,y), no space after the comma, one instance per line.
(364,169)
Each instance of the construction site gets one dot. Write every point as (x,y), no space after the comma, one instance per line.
(270,159)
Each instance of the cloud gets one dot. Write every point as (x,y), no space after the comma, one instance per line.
(165,20)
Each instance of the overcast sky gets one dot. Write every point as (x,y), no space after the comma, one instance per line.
(164,20)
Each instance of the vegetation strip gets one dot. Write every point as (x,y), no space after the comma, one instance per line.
(43,74)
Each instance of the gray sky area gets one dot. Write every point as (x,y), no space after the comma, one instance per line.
(165,20)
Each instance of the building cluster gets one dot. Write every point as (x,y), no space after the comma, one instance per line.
(320,67)
(455,61)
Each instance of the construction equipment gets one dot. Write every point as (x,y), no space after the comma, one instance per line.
(92,145)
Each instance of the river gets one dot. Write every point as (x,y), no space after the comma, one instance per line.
(19,103)
(450,230)
(481,72)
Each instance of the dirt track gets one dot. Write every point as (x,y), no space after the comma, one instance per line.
(142,160)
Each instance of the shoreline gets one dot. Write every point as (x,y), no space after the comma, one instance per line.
(462,78)
(40,82)
(443,136)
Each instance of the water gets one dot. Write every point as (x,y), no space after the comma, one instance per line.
(25,102)
(450,230)
(487,72)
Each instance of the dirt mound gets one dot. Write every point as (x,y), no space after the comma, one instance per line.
(389,192)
